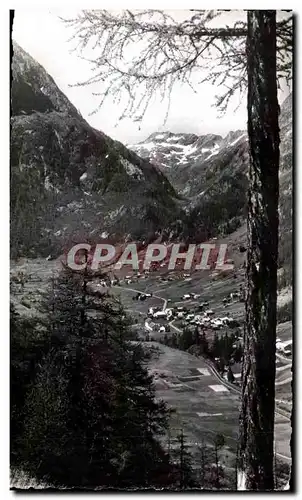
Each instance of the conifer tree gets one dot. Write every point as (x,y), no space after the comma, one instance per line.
(93,393)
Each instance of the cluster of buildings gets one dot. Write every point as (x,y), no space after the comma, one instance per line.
(203,316)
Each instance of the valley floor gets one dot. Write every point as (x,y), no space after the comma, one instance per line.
(205,404)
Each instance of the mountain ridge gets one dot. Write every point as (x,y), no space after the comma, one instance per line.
(70,181)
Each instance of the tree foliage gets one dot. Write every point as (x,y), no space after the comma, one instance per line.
(89,417)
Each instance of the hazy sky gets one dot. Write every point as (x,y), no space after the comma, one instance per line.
(42,34)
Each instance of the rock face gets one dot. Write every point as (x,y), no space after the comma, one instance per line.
(70,182)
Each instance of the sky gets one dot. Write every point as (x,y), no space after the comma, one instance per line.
(44,36)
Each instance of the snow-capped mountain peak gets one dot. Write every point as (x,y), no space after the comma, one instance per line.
(177,155)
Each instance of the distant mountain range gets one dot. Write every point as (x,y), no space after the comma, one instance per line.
(71,182)
(187,160)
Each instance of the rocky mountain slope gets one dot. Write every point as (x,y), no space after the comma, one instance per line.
(70,182)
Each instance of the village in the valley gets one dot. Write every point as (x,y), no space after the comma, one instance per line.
(193,325)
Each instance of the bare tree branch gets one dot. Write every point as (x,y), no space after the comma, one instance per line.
(144,53)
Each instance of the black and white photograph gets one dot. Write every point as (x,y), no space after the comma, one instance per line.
(151,256)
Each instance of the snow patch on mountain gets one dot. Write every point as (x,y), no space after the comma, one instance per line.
(58,138)
(83,176)
(184,150)
(238,139)
(173,139)
(131,169)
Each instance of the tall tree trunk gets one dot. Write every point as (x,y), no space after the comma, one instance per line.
(258,389)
